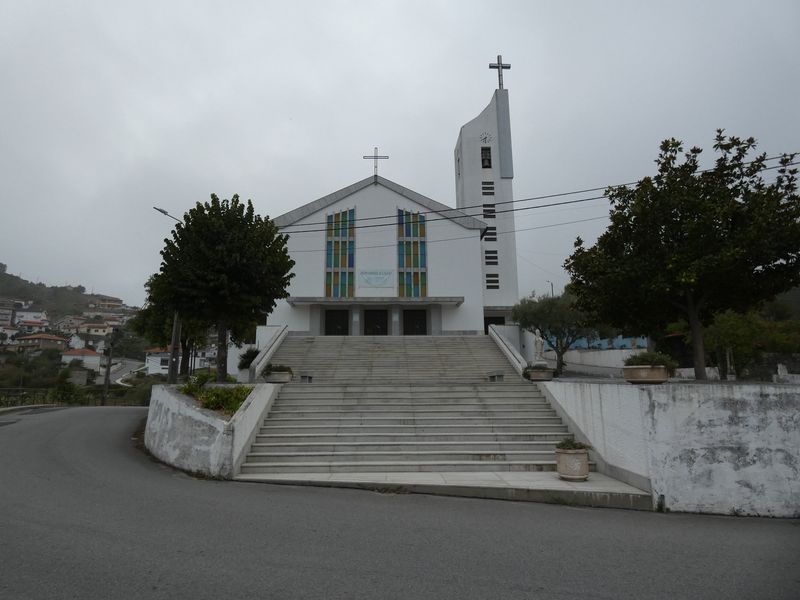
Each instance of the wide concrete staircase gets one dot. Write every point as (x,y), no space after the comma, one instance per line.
(403,404)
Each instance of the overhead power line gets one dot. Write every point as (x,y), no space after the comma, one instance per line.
(530,199)
(466,237)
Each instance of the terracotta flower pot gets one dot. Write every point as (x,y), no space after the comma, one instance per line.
(572,465)
(645,374)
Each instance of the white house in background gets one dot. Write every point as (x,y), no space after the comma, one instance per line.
(29,326)
(377,258)
(156,360)
(31,315)
(89,358)
(95,328)
(87,340)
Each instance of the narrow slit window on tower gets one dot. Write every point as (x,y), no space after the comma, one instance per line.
(487,188)
(492,281)
(490,235)
(486,157)
(489,211)
(490,258)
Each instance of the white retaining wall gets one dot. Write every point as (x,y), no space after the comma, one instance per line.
(188,437)
(712,448)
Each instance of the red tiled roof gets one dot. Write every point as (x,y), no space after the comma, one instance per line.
(157,350)
(80,352)
(43,336)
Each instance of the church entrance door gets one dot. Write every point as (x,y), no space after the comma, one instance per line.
(415,322)
(337,322)
(376,322)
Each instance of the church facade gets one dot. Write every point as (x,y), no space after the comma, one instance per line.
(376,258)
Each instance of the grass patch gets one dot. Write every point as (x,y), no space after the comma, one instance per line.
(225,399)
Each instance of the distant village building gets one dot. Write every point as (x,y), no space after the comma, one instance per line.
(30,326)
(103,302)
(95,328)
(32,315)
(157,360)
(6,312)
(86,356)
(40,341)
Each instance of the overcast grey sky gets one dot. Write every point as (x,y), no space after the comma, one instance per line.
(110,108)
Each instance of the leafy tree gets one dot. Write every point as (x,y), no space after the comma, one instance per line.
(691,243)
(224,265)
(743,335)
(558,320)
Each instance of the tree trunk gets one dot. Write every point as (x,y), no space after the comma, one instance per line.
(222,351)
(186,349)
(698,349)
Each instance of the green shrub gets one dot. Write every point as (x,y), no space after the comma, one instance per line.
(652,359)
(227,399)
(247,357)
(571,444)
(270,368)
(224,398)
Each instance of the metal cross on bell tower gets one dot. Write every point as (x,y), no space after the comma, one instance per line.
(375,158)
(499,66)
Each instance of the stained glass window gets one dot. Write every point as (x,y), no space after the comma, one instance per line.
(412,255)
(340,254)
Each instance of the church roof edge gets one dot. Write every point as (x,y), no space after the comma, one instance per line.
(293,216)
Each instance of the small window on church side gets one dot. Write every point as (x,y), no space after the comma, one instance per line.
(490,257)
(492,281)
(486,157)
(489,211)
(490,235)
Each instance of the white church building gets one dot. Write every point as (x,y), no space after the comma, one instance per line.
(377,258)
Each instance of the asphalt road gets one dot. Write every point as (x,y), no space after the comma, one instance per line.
(85,514)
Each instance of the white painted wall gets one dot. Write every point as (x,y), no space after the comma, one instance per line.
(188,437)
(453,264)
(715,448)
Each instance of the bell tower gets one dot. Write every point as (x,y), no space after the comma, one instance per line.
(484,189)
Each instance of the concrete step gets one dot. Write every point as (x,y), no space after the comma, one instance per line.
(404,412)
(406,456)
(397,467)
(417,420)
(492,447)
(412,437)
(270,427)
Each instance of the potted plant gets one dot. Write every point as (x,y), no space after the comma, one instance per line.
(572,460)
(648,367)
(538,371)
(277,373)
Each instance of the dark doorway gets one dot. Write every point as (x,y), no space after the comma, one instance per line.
(492,321)
(415,322)
(376,322)
(337,322)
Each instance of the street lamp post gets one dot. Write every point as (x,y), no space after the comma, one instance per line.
(172,373)
(551,288)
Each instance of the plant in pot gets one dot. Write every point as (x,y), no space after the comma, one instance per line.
(648,367)
(572,460)
(277,373)
(538,371)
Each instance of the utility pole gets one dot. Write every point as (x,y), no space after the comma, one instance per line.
(172,373)
(109,353)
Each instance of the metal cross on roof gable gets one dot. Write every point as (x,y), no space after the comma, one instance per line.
(499,66)
(376,158)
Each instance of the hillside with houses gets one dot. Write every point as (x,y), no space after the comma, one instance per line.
(37,319)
